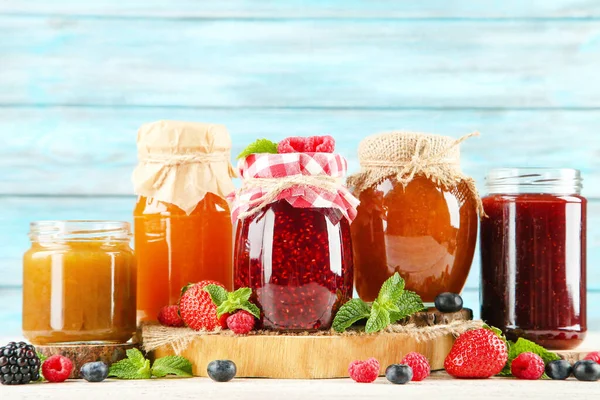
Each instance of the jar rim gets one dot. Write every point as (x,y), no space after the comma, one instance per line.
(534,180)
(80,230)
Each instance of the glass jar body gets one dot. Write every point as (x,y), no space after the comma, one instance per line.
(424,232)
(298,262)
(174,249)
(533,272)
(79,291)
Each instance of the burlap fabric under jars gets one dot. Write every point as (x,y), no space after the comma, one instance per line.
(418,214)
(182,219)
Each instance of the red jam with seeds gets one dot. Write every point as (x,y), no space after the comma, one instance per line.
(533,266)
(298,262)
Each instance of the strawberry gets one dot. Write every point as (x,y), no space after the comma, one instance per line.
(479,353)
(197,308)
(169,316)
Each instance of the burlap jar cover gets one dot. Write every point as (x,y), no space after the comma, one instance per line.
(404,155)
(179,162)
(305,180)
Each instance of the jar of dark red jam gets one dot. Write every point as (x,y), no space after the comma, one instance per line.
(533,255)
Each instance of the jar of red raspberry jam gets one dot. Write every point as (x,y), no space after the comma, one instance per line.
(533,255)
(294,252)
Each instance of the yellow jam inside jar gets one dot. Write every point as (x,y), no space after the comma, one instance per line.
(79,283)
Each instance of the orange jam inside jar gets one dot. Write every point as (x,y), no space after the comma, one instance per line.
(414,218)
(174,249)
(79,283)
(183,230)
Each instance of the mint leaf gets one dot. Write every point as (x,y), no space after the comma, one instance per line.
(136,357)
(217,294)
(408,303)
(42,359)
(238,300)
(351,312)
(391,290)
(172,365)
(251,308)
(259,146)
(523,346)
(379,318)
(126,369)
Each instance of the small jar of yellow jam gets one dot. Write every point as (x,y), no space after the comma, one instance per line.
(79,283)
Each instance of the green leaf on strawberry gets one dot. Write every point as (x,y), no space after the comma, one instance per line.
(228,302)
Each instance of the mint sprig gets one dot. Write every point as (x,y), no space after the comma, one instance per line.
(392,304)
(523,346)
(42,359)
(136,366)
(228,302)
(259,146)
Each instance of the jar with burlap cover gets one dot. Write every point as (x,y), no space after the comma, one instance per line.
(418,213)
(182,220)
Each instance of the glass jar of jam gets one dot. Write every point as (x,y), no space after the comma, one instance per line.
(182,222)
(295,251)
(298,261)
(79,283)
(533,255)
(417,215)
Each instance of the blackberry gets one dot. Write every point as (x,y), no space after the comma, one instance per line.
(19,364)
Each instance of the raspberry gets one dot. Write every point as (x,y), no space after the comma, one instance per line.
(169,316)
(241,322)
(320,144)
(479,353)
(364,371)
(197,308)
(57,368)
(294,144)
(419,364)
(527,366)
(594,356)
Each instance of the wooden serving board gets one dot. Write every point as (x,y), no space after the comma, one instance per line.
(315,356)
(81,353)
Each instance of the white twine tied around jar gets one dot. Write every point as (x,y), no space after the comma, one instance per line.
(273,187)
(404,155)
(174,160)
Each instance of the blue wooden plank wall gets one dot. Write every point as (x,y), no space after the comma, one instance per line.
(77,79)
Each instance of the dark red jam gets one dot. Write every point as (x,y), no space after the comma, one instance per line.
(533,258)
(298,262)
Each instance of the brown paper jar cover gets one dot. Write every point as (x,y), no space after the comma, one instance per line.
(179,162)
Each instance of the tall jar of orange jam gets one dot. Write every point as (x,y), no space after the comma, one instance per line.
(183,231)
(418,214)
(79,282)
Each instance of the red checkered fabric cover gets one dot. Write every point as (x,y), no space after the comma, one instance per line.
(273,166)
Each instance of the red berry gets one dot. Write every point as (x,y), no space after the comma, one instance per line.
(169,316)
(321,144)
(479,353)
(294,144)
(594,356)
(197,308)
(364,371)
(419,364)
(223,320)
(57,368)
(241,322)
(527,366)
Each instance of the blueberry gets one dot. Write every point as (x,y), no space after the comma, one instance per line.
(559,369)
(94,371)
(221,370)
(586,370)
(448,302)
(399,374)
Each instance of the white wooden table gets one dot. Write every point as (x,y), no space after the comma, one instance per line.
(438,386)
